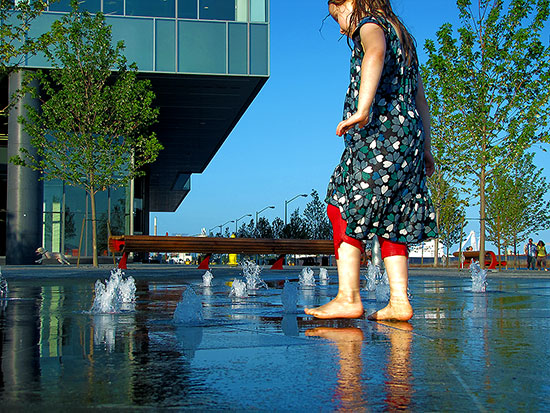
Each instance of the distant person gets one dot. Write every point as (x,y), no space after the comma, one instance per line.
(531,253)
(379,188)
(541,256)
(470,248)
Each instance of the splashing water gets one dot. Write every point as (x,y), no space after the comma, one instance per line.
(238,289)
(479,277)
(306,278)
(207,279)
(116,295)
(189,309)
(373,273)
(289,297)
(323,275)
(382,289)
(251,272)
(3,286)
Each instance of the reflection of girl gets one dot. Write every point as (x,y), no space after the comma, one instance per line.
(541,256)
(379,188)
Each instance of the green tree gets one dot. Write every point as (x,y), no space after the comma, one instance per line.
(263,228)
(296,228)
(93,127)
(515,203)
(315,218)
(16,44)
(277,226)
(449,210)
(493,82)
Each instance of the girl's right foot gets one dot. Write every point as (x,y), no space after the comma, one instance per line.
(401,311)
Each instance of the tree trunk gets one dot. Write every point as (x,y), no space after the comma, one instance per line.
(94,229)
(482,217)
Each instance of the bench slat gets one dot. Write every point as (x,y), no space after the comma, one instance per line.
(147,243)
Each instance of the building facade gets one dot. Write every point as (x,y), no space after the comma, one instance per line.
(206,60)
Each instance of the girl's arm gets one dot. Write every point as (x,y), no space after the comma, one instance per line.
(374,46)
(424,111)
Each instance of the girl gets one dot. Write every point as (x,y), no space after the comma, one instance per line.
(379,187)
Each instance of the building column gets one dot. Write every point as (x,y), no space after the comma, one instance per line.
(25,190)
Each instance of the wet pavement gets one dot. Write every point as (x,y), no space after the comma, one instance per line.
(462,351)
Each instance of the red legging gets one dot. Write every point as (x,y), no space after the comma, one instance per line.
(339,225)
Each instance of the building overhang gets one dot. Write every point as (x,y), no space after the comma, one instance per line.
(197,114)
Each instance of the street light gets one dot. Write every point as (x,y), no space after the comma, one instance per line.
(260,211)
(290,200)
(237,222)
(222,225)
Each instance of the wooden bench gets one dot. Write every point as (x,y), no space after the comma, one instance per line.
(214,245)
(489,257)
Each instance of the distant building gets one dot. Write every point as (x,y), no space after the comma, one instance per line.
(207,60)
(426,250)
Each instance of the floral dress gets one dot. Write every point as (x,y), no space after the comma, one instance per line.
(380,184)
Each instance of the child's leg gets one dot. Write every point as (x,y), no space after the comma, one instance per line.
(347,303)
(395,257)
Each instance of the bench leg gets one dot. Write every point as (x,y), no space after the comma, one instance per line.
(123,261)
(204,265)
(278,265)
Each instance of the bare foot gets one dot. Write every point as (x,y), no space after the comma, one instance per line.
(340,307)
(400,311)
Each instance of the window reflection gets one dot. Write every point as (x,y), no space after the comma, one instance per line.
(217,10)
(187,9)
(157,8)
(65,5)
(113,7)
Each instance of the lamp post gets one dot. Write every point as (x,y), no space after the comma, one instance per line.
(222,225)
(237,222)
(260,211)
(289,201)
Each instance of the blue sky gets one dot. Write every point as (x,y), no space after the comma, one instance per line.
(285,144)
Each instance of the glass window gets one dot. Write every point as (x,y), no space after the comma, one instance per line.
(53,202)
(258,49)
(201,47)
(241,10)
(217,10)
(258,10)
(238,53)
(41,25)
(157,8)
(93,6)
(187,9)
(113,6)
(165,50)
(137,35)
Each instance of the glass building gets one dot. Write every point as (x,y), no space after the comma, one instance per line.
(206,59)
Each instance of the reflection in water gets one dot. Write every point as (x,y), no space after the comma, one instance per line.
(398,367)
(289,325)
(348,340)
(190,338)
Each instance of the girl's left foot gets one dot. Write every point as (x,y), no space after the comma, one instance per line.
(338,308)
(401,311)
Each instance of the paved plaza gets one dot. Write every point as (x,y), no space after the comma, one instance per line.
(462,351)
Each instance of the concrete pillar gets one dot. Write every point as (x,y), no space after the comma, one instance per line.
(25,190)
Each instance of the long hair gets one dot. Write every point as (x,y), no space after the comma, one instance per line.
(382,8)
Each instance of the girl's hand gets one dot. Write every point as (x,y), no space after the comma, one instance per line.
(356,119)
(429,162)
